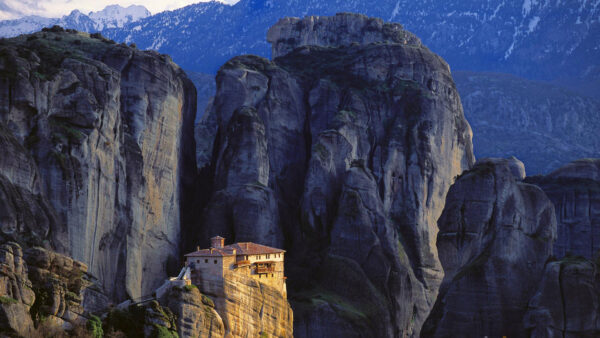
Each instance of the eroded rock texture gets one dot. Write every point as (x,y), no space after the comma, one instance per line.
(338,153)
(99,132)
(567,303)
(575,191)
(196,315)
(247,309)
(16,292)
(496,234)
(36,285)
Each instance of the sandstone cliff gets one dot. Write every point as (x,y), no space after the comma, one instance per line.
(99,135)
(575,191)
(246,307)
(196,314)
(496,234)
(341,153)
(16,292)
(39,285)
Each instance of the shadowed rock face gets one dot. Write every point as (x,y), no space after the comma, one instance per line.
(342,154)
(496,234)
(567,303)
(575,191)
(99,133)
(26,216)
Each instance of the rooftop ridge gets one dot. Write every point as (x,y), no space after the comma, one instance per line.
(240,248)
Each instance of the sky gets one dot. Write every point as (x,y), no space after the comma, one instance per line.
(14,9)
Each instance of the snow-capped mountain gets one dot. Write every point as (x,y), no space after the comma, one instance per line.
(27,24)
(538,39)
(113,16)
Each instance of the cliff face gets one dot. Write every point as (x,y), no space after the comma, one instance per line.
(26,216)
(196,314)
(496,234)
(107,128)
(575,191)
(247,308)
(567,302)
(342,154)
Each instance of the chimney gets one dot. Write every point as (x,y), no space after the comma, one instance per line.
(217,242)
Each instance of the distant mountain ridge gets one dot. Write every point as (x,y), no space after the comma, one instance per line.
(544,125)
(113,16)
(543,40)
(550,40)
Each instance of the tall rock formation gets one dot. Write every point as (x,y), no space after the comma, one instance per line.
(341,153)
(99,135)
(496,234)
(575,191)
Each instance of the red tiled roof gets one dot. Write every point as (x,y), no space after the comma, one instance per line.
(249,248)
(212,252)
(244,248)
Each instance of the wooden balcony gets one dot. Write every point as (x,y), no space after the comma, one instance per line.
(265,269)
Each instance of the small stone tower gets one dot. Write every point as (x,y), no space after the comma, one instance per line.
(217,242)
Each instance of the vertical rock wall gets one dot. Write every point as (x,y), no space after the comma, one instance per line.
(496,234)
(107,127)
(575,191)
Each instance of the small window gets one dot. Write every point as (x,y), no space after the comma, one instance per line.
(268,255)
(197,261)
(271,275)
(215,261)
(206,261)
